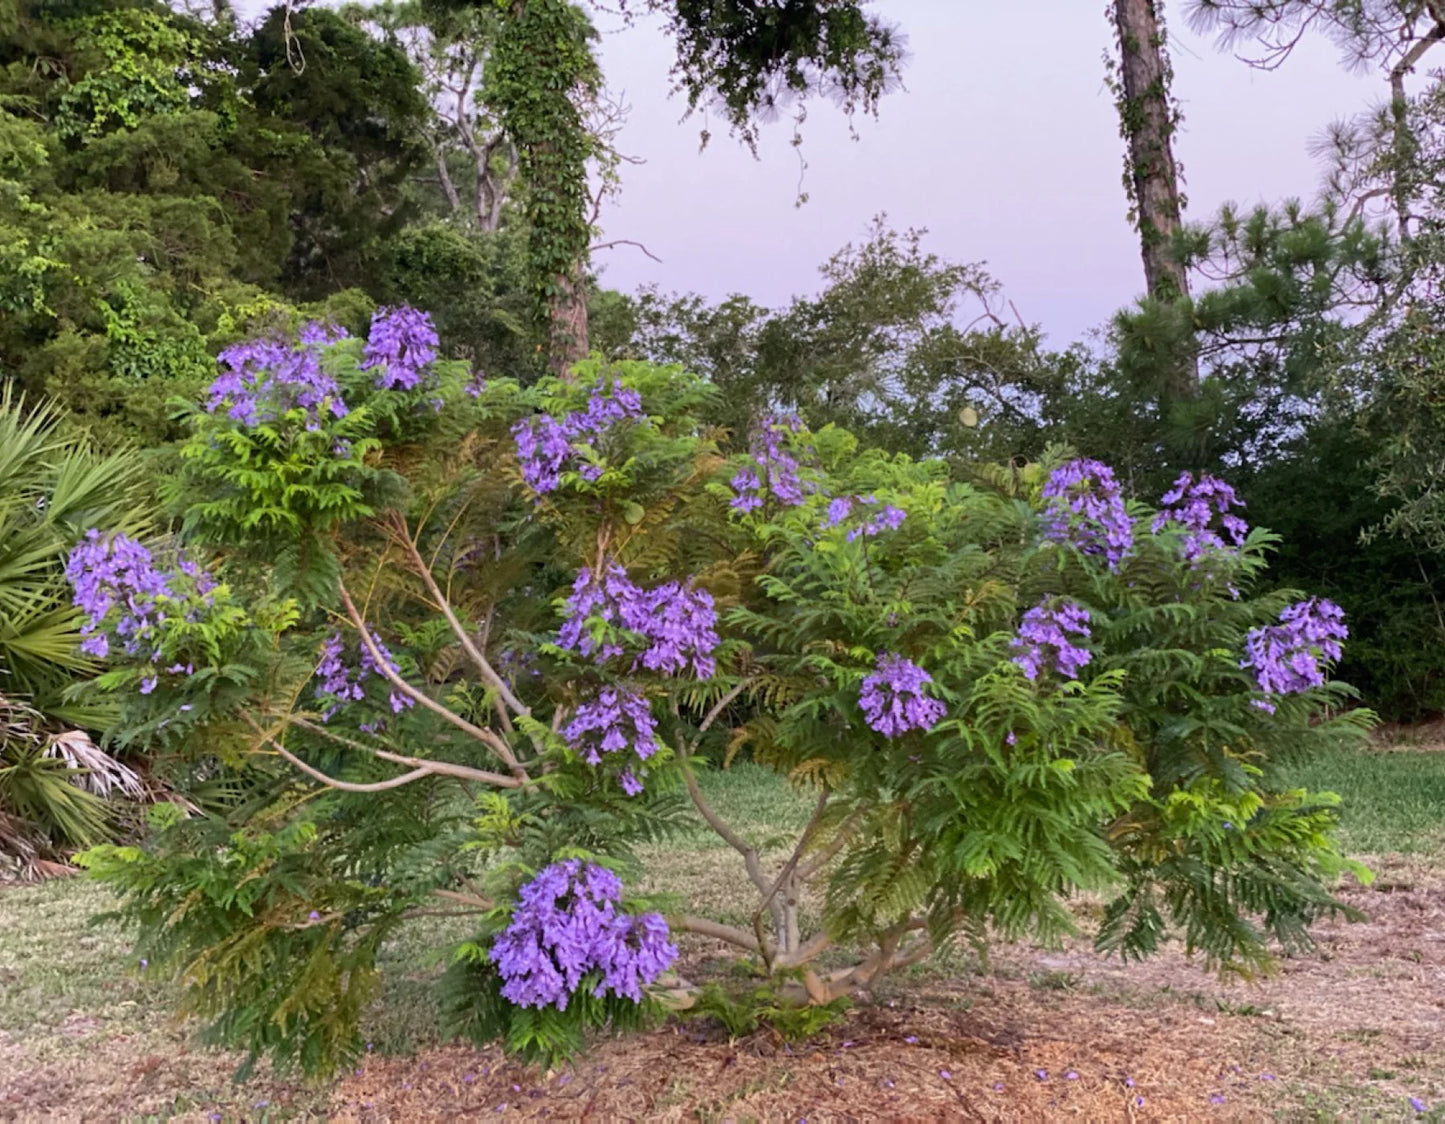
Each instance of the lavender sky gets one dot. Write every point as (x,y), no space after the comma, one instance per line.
(1004,145)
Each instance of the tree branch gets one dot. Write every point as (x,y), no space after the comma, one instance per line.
(487,737)
(623,242)
(705,928)
(475,654)
(346,786)
(441,768)
(791,864)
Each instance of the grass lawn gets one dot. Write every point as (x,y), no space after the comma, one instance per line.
(1353,1033)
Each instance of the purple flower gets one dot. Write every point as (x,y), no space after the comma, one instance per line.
(127,598)
(1216,1098)
(313,916)
(892,697)
(545,445)
(773,469)
(1418,1105)
(1286,657)
(402,343)
(542,450)
(339,685)
(1192,506)
(1085,508)
(890,518)
(680,622)
(567,925)
(263,378)
(616,719)
(1043,641)
(676,620)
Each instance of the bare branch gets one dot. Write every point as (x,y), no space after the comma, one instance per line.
(487,737)
(703,927)
(441,768)
(475,654)
(803,841)
(464,899)
(721,705)
(346,786)
(623,242)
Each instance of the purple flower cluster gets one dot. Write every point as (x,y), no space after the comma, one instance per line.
(1286,656)
(1085,508)
(615,719)
(126,597)
(263,378)
(401,345)
(889,518)
(773,470)
(545,445)
(892,697)
(681,628)
(341,685)
(567,926)
(677,621)
(1044,639)
(1192,505)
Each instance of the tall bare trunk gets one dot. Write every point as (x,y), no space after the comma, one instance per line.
(1147,120)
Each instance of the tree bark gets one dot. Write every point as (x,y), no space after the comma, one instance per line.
(1147,122)
(567,323)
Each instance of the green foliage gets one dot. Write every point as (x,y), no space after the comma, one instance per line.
(139,71)
(541,70)
(231,914)
(752,66)
(1154,777)
(44,811)
(354,106)
(54,486)
(880,351)
(765,1008)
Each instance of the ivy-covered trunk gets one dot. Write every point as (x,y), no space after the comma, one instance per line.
(1147,119)
(541,67)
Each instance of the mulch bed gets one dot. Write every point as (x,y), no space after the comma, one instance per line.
(1358,1028)
(1353,1032)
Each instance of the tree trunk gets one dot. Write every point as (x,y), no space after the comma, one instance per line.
(567,323)
(1147,121)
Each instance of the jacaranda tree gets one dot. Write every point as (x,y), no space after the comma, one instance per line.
(465,644)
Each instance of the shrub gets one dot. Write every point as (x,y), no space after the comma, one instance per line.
(562,601)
